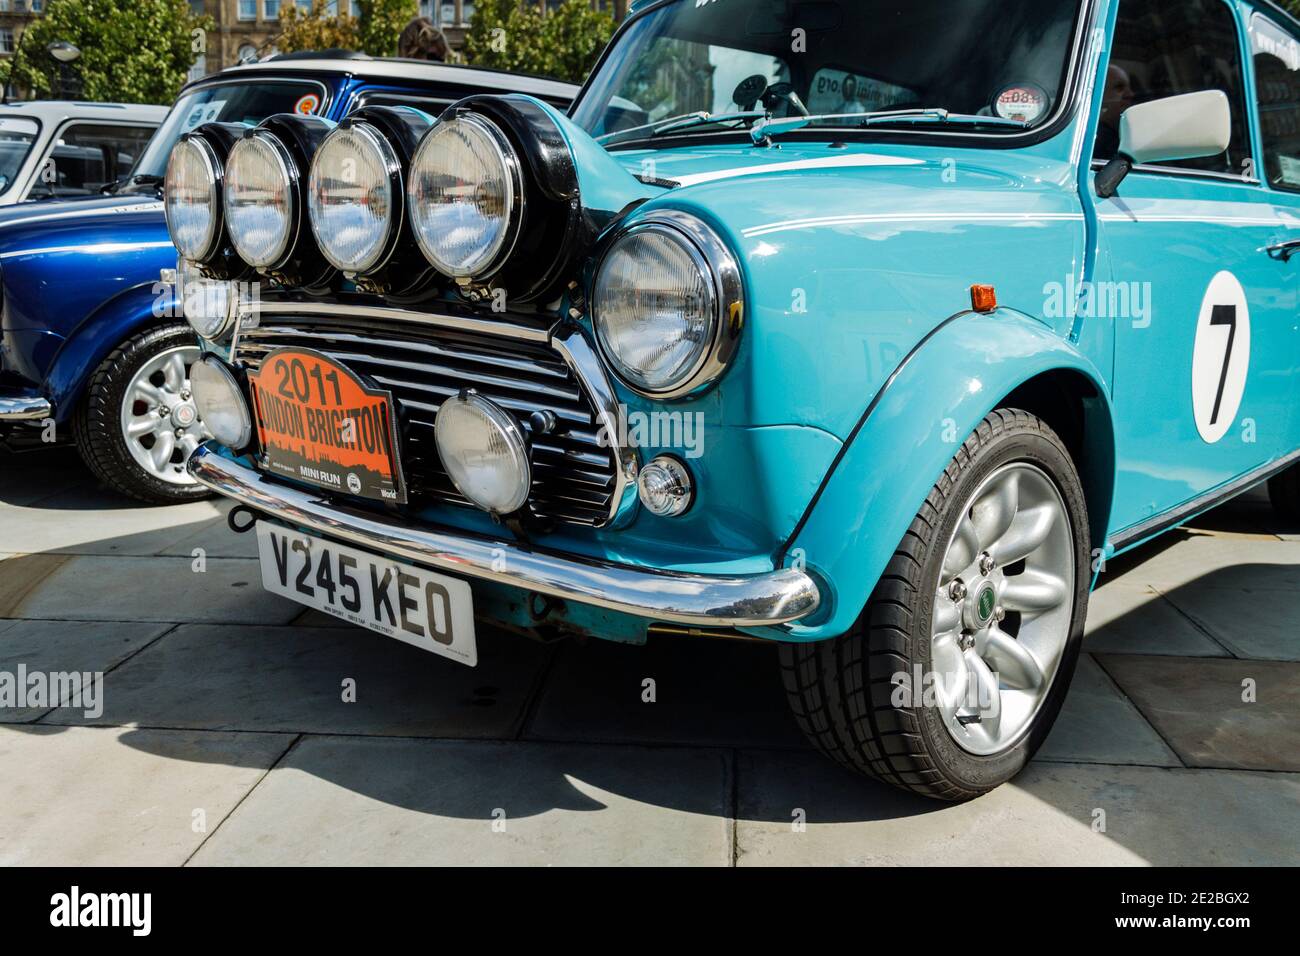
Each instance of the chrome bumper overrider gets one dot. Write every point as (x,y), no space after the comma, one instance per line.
(777,597)
(24,409)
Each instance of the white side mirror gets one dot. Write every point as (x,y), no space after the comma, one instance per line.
(1190,126)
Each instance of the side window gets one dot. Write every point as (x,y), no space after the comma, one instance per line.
(1167,47)
(1277,81)
(87,156)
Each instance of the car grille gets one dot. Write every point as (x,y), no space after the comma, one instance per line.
(574,477)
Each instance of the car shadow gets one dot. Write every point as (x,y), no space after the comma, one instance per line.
(557,731)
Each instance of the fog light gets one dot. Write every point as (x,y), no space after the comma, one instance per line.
(220,403)
(483,449)
(665,487)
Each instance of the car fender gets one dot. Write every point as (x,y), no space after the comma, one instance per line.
(968,366)
(115,321)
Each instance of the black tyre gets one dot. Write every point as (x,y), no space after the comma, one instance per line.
(1284,493)
(1019,621)
(137,422)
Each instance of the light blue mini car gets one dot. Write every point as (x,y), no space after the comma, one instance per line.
(869,328)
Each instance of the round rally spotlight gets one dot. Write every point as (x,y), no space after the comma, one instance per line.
(192,207)
(220,403)
(465,197)
(484,451)
(353,196)
(207,303)
(259,200)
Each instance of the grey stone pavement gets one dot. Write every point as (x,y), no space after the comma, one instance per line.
(224,737)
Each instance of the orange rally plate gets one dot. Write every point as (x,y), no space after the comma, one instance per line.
(318,422)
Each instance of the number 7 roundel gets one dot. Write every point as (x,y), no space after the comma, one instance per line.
(1221,359)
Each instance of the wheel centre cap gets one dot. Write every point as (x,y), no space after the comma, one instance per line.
(184,415)
(983,603)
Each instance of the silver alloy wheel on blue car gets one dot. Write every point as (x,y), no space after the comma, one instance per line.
(137,424)
(160,423)
(954,672)
(1002,608)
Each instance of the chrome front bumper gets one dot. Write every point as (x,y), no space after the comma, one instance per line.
(25,409)
(777,597)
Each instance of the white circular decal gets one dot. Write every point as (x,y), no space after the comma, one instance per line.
(1221,359)
(1025,102)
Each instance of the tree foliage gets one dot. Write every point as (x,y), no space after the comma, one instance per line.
(564,43)
(374,32)
(132,51)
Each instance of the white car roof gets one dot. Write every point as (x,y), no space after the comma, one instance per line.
(392,68)
(56,111)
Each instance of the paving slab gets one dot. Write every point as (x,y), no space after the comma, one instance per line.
(94,521)
(1098,724)
(1046,816)
(129,588)
(30,476)
(1264,625)
(113,797)
(1197,706)
(706,693)
(413,802)
(63,646)
(1214,561)
(292,679)
(1136,619)
(215,538)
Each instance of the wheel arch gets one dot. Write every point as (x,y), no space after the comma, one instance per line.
(124,315)
(971,364)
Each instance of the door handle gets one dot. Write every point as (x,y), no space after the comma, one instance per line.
(1283,251)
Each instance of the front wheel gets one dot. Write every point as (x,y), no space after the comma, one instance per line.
(138,423)
(952,676)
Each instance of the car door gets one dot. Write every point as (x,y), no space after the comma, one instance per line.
(84,157)
(1275,45)
(1204,352)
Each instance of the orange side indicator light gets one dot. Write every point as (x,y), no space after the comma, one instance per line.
(983,298)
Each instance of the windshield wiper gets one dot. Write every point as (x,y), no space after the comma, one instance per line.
(674,123)
(763,131)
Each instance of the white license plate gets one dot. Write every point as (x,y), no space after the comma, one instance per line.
(430,611)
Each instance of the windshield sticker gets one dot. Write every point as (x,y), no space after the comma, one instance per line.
(202,113)
(307,105)
(1026,102)
(836,91)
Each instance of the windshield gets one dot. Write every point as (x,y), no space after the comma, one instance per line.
(1003,59)
(16,137)
(227,103)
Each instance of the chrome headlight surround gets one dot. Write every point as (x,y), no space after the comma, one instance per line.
(390,170)
(193,147)
(285,189)
(724,307)
(501,154)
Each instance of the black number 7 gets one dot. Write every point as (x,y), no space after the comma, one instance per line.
(1224,315)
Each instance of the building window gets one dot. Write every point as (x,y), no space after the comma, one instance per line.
(303,5)
(6,40)
(248,9)
(270,9)
(36,5)
(4,6)
(355,8)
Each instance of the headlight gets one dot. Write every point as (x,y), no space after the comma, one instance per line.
(667,305)
(206,302)
(351,194)
(464,197)
(260,212)
(220,403)
(192,207)
(483,449)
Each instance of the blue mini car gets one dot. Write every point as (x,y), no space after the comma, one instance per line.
(93,347)
(871,329)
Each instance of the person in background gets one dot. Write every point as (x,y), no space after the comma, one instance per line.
(421,40)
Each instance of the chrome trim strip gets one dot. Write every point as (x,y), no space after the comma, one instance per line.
(25,409)
(587,367)
(760,600)
(527,333)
